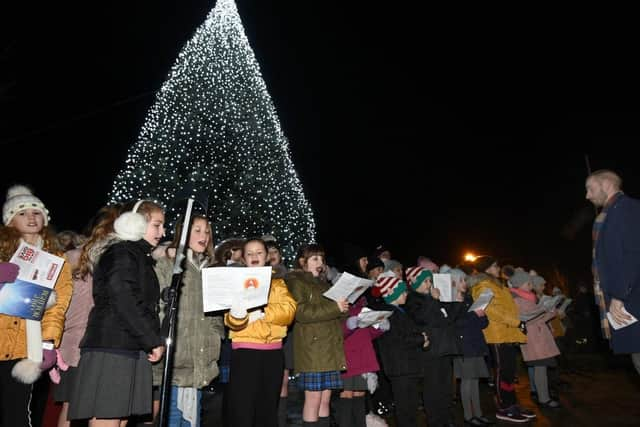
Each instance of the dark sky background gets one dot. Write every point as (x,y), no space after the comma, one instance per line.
(430,131)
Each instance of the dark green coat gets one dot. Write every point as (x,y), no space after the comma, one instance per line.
(317,335)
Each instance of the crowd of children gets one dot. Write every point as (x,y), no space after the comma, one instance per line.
(105,355)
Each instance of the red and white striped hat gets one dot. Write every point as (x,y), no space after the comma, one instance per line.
(389,288)
(412,272)
(384,286)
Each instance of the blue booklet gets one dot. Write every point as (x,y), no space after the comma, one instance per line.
(23,299)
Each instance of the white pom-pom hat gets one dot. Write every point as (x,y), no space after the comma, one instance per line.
(18,199)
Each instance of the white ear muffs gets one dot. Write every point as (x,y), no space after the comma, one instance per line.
(131,225)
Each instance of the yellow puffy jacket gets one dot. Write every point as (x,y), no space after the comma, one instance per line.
(278,314)
(502,313)
(13,330)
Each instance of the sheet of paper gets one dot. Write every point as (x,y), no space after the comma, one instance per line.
(565,304)
(442,282)
(222,285)
(23,299)
(348,287)
(37,266)
(615,325)
(368,317)
(549,302)
(482,301)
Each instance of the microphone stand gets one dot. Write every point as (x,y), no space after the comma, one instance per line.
(171,316)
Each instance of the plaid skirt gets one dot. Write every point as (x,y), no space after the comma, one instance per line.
(317,381)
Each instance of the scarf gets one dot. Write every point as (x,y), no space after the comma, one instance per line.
(525,295)
(597,290)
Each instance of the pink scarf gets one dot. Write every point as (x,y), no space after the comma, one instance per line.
(528,295)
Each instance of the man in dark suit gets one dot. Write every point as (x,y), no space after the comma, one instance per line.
(616,264)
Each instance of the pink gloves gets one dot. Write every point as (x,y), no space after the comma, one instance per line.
(61,365)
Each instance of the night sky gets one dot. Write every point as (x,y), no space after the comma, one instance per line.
(377,102)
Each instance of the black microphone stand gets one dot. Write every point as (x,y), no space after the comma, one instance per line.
(171,314)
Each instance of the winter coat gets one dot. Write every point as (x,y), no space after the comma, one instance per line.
(429,315)
(469,327)
(540,343)
(358,345)
(77,315)
(198,336)
(125,294)
(502,312)
(317,336)
(617,257)
(558,329)
(13,332)
(272,328)
(400,348)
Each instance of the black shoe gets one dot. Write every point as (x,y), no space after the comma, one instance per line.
(526,412)
(511,414)
(551,404)
(534,396)
(474,422)
(485,420)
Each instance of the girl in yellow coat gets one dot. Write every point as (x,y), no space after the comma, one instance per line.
(27,346)
(503,335)
(257,361)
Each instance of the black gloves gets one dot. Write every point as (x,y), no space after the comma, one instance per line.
(523,328)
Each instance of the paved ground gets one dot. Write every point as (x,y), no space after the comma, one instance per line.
(602,391)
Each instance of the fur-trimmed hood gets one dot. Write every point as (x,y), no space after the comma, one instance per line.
(100,247)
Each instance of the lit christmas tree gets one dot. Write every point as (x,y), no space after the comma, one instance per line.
(213,126)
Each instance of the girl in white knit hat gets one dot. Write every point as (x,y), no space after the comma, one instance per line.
(27,346)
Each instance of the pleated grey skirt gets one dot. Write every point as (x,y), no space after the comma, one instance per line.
(470,367)
(354,383)
(62,391)
(111,385)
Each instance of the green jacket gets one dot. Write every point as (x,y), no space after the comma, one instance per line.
(317,335)
(198,337)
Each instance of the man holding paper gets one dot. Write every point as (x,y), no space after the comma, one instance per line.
(616,261)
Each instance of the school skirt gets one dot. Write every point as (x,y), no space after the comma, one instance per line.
(62,391)
(470,367)
(354,383)
(317,381)
(111,385)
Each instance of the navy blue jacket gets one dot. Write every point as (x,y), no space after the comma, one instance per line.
(469,328)
(618,264)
